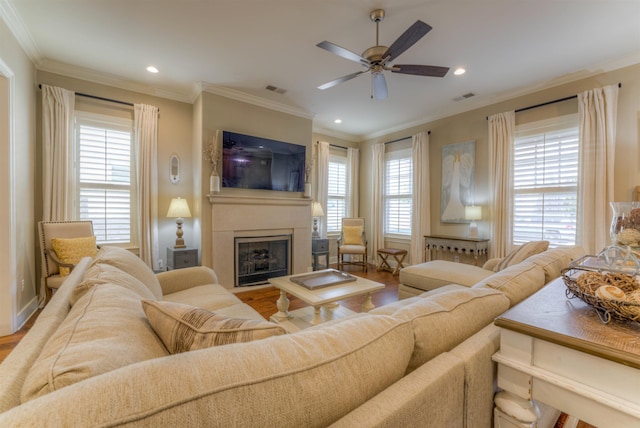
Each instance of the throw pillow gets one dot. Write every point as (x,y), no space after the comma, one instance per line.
(352,235)
(521,253)
(187,328)
(72,250)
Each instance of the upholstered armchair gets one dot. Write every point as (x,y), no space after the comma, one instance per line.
(352,242)
(62,245)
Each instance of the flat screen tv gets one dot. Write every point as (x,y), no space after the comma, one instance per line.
(259,163)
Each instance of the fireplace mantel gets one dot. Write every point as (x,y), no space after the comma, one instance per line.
(248,215)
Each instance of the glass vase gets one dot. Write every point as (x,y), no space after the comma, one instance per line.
(625,224)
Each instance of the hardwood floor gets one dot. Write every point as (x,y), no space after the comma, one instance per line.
(7,343)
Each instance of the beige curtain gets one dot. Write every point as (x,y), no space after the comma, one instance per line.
(353,167)
(376,239)
(421,214)
(145,129)
(323,184)
(501,140)
(597,111)
(58,184)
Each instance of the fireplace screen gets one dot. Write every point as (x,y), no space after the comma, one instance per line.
(261,258)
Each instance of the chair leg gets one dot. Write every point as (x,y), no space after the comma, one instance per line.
(365,262)
(47,294)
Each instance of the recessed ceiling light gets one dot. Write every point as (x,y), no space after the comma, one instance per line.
(337,121)
(152,69)
(459,71)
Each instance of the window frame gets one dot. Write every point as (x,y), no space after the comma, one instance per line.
(119,124)
(401,154)
(337,159)
(568,124)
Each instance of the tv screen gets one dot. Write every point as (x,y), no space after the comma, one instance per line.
(259,163)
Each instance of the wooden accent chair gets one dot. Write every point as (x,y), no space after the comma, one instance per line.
(50,261)
(352,242)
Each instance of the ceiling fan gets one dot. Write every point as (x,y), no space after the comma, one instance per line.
(379,58)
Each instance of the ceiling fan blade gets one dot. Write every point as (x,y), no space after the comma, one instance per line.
(407,39)
(340,80)
(344,53)
(420,70)
(379,86)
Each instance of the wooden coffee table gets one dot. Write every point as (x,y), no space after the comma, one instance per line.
(323,301)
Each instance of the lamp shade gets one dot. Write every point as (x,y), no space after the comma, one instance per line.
(178,208)
(316,210)
(473,212)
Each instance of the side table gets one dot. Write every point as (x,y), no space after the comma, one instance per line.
(558,352)
(178,258)
(320,248)
(470,246)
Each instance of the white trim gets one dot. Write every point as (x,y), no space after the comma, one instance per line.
(10,268)
(16,25)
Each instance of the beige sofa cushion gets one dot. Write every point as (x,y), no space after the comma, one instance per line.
(102,274)
(521,253)
(437,273)
(555,260)
(517,282)
(106,329)
(184,328)
(307,379)
(442,321)
(210,296)
(130,263)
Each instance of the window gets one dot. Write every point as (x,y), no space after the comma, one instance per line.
(398,193)
(104,176)
(546,158)
(337,193)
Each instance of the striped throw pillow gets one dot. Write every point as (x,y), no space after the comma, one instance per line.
(185,328)
(521,253)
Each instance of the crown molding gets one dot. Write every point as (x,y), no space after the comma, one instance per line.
(90,75)
(336,134)
(16,25)
(234,94)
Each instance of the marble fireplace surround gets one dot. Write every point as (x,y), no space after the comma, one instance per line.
(250,216)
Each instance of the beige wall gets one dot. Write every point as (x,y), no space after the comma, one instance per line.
(223,113)
(175,128)
(18,280)
(472,125)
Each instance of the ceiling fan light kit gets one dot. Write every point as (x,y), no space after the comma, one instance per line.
(378,58)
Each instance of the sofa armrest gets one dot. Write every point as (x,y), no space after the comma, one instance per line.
(182,279)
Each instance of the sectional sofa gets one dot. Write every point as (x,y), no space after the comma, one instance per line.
(97,357)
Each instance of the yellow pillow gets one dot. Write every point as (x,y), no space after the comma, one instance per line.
(352,235)
(185,328)
(72,250)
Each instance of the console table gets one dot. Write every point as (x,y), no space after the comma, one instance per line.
(557,351)
(470,246)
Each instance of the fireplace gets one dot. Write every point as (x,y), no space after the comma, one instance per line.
(259,258)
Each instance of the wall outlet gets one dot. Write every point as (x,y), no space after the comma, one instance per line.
(456,259)
(22,285)
(160,263)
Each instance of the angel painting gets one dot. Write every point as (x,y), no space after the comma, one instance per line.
(458,165)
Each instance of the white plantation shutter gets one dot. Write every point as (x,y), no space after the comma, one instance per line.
(546,159)
(337,193)
(104,177)
(398,193)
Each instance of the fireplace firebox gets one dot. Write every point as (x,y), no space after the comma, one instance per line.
(259,258)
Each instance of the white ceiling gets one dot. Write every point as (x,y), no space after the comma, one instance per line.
(238,47)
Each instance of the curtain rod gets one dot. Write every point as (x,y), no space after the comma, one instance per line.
(403,138)
(95,97)
(550,102)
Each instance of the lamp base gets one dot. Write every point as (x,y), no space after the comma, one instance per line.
(179,240)
(473,229)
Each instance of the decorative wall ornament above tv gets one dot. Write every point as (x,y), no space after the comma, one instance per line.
(259,163)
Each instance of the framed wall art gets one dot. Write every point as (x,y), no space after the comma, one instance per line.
(458,168)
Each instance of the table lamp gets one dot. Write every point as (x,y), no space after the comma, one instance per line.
(179,209)
(316,211)
(473,213)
